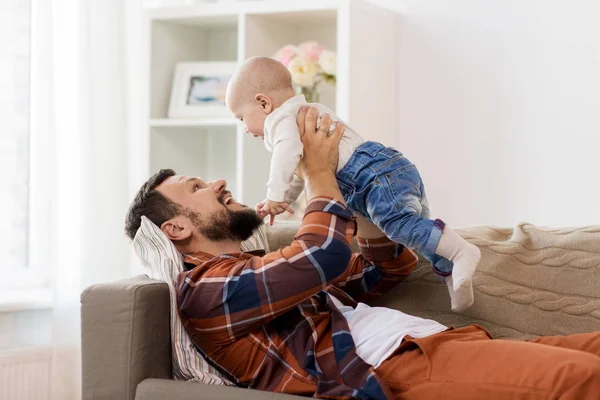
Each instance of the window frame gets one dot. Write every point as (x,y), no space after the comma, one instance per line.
(29,286)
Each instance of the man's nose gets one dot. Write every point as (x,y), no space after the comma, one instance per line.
(219,185)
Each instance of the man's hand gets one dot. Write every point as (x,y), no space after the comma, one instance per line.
(321,154)
(320,146)
(272,208)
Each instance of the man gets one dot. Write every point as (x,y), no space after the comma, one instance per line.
(289,322)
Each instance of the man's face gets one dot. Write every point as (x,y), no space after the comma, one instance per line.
(211,208)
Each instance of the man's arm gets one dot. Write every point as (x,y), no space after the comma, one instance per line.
(380,265)
(228,300)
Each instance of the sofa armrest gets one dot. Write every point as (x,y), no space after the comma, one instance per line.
(125,337)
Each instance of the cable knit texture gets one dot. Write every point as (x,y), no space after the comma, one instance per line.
(531,281)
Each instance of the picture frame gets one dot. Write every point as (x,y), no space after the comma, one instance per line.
(198,89)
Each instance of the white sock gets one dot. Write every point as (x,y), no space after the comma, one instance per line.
(463,298)
(463,254)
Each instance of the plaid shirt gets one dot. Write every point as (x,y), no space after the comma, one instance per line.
(267,322)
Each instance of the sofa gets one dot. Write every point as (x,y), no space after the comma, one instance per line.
(530,282)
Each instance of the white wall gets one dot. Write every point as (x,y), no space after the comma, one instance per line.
(500,108)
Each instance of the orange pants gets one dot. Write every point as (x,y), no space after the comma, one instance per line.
(467,364)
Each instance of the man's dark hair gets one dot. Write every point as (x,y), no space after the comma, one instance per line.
(151,203)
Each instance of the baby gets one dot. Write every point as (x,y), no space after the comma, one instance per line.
(377,182)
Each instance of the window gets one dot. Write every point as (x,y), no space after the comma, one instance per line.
(15,24)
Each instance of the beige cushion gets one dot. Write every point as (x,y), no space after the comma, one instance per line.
(530,282)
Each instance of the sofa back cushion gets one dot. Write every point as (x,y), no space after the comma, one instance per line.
(530,282)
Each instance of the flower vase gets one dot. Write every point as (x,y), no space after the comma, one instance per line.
(311,94)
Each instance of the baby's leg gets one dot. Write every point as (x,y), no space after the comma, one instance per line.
(394,204)
(462,275)
(463,255)
(460,299)
(416,232)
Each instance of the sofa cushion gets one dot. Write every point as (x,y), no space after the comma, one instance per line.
(530,282)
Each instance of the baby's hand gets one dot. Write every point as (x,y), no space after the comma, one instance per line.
(272,208)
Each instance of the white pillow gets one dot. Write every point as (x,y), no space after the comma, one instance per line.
(159,254)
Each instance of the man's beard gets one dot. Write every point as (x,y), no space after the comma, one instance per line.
(227,224)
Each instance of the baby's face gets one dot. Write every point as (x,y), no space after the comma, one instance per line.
(253,117)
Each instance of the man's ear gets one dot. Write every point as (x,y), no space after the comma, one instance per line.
(264,102)
(177,229)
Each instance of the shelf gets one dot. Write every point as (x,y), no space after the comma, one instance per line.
(229,30)
(306,18)
(227,13)
(192,123)
(210,152)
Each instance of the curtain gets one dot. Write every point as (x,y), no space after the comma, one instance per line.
(79,102)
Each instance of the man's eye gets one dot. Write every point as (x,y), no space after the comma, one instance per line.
(196,187)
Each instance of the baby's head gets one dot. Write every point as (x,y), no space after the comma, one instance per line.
(258,87)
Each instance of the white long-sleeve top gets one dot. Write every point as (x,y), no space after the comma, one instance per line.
(282,138)
(378,331)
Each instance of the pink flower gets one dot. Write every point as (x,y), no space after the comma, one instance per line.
(310,50)
(285,54)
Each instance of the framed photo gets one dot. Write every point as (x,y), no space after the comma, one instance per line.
(199,89)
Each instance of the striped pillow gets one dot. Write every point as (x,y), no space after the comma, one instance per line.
(159,254)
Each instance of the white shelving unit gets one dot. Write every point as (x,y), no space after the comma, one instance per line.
(362,34)
(191,123)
